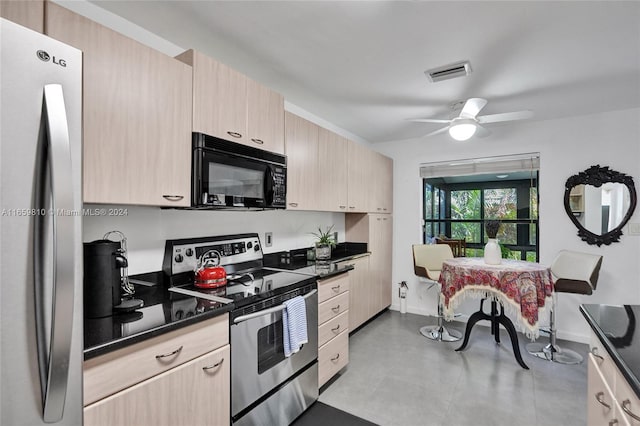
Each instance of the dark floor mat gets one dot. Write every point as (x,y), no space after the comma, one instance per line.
(320,414)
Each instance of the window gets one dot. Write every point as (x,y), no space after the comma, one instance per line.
(458,209)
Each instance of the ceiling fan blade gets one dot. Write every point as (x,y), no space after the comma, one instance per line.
(472,107)
(481,132)
(505,116)
(428,120)
(436,132)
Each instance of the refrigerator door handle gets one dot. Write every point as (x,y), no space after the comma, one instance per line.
(54,189)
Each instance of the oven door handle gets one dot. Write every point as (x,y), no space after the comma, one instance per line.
(268,311)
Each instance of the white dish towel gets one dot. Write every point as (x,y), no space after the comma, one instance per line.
(294,325)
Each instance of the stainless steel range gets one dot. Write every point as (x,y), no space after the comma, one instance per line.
(267,388)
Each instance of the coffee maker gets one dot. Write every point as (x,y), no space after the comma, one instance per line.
(105,266)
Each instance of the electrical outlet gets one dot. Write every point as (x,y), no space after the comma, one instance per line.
(634,228)
(268,239)
(335,236)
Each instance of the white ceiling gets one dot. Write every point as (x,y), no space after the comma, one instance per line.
(360,64)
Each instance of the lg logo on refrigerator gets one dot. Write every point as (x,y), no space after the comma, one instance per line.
(44,56)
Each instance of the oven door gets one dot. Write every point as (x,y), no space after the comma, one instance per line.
(258,364)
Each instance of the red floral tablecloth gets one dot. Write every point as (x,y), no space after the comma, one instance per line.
(523,288)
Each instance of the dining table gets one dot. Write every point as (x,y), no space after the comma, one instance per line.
(523,288)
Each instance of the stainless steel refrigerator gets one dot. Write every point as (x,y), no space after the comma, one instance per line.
(40,229)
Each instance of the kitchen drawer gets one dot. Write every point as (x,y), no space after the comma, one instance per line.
(602,358)
(332,357)
(333,307)
(627,399)
(333,327)
(601,403)
(120,369)
(333,286)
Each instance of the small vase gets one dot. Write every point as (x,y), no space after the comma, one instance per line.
(492,252)
(323,252)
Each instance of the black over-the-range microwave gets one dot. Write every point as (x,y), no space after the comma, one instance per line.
(228,175)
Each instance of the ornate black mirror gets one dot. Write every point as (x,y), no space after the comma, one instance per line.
(600,202)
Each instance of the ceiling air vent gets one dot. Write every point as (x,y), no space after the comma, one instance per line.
(459,69)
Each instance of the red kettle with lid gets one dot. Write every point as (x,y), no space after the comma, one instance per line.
(209,273)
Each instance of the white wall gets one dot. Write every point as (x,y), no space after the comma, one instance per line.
(566,146)
(147,228)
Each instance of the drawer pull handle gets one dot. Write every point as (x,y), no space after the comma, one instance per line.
(293,204)
(613,422)
(625,407)
(594,352)
(176,352)
(258,141)
(173,197)
(336,309)
(335,329)
(600,399)
(352,207)
(343,207)
(336,288)
(335,358)
(211,367)
(234,135)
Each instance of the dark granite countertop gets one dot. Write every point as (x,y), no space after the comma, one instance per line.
(615,326)
(163,311)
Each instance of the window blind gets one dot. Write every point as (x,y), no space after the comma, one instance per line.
(480,166)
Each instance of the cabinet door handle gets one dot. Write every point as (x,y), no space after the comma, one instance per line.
(293,204)
(594,352)
(379,208)
(336,288)
(235,135)
(343,207)
(258,141)
(600,399)
(352,207)
(613,422)
(176,352)
(625,407)
(335,358)
(336,309)
(211,367)
(335,329)
(173,197)
(384,209)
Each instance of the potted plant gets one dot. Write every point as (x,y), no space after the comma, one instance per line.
(492,252)
(324,243)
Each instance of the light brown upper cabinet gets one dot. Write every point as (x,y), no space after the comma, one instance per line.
(28,13)
(136,115)
(382,194)
(360,178)
(302,163)
(332,171)
(231,106)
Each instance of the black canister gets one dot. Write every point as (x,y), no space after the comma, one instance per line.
(103,261)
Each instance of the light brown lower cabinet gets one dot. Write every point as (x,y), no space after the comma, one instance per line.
(194,393)
(610,400)
(333,326)
(360,309)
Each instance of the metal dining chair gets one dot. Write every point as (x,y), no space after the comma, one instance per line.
(427,264)
(573,272)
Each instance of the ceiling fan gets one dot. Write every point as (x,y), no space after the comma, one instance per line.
(468,123)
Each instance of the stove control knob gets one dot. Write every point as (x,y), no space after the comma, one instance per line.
(249,244)
(178,258)
(256,247)
(189,252)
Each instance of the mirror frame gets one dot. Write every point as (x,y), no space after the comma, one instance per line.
(596,176)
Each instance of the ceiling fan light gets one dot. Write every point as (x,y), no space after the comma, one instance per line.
(462,131)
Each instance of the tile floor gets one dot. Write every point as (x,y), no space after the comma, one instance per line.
(397,377)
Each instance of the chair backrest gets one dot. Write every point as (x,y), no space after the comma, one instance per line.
(576,272)
(428,258)
(458,246)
